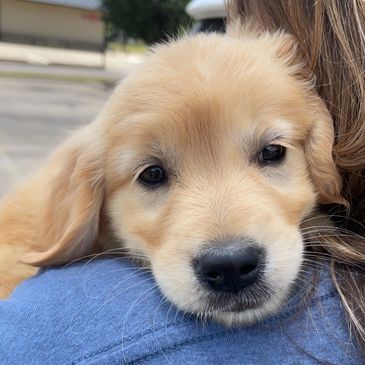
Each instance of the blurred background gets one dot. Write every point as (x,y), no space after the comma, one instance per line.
(59,61)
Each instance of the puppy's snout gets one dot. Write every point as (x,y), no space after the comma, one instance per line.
(229,267)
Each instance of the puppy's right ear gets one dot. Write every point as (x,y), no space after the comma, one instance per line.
(69,211)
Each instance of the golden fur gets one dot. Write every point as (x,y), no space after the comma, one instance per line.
(204,107)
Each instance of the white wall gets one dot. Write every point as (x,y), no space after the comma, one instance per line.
(20,17)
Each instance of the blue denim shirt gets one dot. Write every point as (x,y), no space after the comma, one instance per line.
(111,312)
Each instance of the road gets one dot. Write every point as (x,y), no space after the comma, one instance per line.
(35,116)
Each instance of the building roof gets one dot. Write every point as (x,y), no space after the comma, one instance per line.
(78,4)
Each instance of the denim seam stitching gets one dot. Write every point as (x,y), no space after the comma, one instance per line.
(177,346)
(124,340)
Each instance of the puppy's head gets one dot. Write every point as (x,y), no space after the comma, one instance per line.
(206,161)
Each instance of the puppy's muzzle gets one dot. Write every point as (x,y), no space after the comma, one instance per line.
(229,266)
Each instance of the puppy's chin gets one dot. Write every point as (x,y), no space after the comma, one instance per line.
(245,316)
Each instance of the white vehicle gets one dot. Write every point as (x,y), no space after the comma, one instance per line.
(209,15)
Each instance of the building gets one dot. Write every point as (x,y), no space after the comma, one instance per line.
(58,23)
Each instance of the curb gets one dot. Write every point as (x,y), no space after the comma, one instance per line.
(58,77)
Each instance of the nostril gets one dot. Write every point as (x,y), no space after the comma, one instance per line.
(247,269)
(215,277)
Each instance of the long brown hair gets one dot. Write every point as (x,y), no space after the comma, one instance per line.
(331,35)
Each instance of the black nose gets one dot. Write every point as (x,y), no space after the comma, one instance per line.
(229,267)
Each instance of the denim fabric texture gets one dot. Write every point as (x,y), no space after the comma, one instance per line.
(110,311)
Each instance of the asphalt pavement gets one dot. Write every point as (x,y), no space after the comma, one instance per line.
(35,116)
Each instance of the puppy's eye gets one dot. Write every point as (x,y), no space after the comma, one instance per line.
(153,176)
(272,153)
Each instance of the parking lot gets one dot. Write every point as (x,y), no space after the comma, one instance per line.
(35,115)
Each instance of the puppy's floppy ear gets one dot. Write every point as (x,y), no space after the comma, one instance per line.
(69,212)
(320,140)
(319,153)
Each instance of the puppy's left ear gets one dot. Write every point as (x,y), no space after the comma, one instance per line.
(68,215)
(320,139)
(319,153)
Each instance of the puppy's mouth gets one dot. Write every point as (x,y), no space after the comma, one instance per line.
(249,299)
(241,307)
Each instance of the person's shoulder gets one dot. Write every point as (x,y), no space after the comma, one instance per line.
(110,311)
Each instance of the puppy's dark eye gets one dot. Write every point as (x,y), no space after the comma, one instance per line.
(153,176)
(272,153)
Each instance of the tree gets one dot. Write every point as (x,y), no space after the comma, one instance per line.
(147,20)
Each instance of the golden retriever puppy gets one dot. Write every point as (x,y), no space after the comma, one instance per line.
(205,161)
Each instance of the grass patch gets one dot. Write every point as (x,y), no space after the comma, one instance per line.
(139,48)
